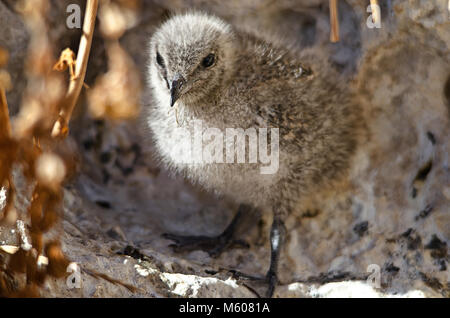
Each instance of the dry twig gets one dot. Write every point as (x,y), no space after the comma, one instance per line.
(375,12)
(60,129)
(66,60)
(5,127)
(334,21)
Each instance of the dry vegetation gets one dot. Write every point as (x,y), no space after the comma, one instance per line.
(33,141)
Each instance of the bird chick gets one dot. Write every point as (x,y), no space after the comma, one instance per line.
(203,70)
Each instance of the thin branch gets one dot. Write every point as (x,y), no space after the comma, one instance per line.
(375,12)
(334,21)
(5,126)
(60,129)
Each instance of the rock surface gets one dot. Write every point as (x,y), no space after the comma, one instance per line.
(391,227)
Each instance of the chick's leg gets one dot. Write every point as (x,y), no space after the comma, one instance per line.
(277,238)
(214,246)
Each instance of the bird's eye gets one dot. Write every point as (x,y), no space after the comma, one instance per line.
(159,59)
(209,60)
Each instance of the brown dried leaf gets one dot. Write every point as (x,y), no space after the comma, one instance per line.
(57,262)
(4,56)
(30,291)
(66,60)
(17,262)
(5,80)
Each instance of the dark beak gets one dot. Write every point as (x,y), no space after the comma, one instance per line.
(175,88)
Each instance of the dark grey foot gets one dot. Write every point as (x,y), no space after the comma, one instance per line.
(214,246)
(277,236)
(270,280)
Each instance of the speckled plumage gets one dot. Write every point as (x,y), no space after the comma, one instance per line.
(254,83)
